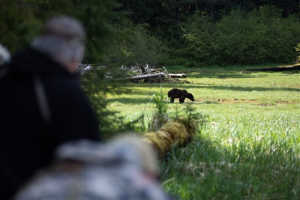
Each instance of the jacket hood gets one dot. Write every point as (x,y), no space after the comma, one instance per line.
(30,62)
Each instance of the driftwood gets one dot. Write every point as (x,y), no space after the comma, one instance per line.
(177,75)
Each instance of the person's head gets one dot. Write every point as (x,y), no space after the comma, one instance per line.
(62,39)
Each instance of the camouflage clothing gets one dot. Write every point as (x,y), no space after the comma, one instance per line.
(119,170)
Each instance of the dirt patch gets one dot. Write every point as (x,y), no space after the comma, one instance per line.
(227,101)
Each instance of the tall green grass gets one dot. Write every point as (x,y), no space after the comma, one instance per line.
(242,156)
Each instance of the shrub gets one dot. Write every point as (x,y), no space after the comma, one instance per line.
(242,37)
(144,49)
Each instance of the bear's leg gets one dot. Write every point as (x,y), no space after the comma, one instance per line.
(172,100)
(181,99)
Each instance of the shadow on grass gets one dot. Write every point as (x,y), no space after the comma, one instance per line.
(234,88)
(125,100)
(225,75)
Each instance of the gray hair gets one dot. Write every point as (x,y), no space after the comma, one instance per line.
(62,39)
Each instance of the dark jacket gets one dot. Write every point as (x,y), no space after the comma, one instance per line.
(27,141)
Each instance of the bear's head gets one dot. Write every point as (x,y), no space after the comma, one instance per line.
(191,97)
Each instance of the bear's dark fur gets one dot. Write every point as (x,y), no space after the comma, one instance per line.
(181,94)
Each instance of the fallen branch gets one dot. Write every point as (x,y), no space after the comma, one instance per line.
(177,75)
(169,77)
(142,68)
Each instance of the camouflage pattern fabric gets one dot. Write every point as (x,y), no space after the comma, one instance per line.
(119,170)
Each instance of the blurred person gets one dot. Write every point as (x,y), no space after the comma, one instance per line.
(123,168)
(42,104)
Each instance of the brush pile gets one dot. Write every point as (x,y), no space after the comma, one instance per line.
(138,74)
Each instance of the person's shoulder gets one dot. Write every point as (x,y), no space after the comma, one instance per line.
(63,84)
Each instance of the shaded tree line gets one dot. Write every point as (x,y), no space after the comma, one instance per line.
(167,12)
(221,32)
(192,33)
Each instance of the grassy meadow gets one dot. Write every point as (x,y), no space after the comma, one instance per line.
(248,146)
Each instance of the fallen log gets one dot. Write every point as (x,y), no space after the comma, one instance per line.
(175,133)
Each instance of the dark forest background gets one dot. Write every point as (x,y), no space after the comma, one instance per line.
(192,33)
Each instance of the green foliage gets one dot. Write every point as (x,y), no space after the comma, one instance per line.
(21,20)
(160,103)
(148,49)
(160,116)
(18,24)
(242,37)
(144,49)
(297,49)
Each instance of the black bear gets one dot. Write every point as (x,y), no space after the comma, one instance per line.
(181,94)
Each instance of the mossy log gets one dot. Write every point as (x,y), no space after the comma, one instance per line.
(175,133)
